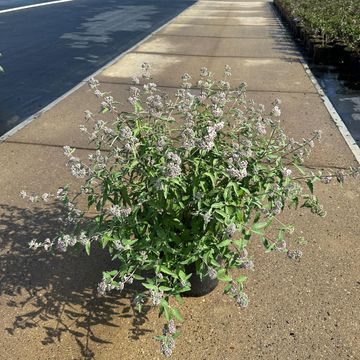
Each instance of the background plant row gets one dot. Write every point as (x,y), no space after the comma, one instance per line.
(330,20)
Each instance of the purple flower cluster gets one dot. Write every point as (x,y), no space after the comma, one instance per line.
(172,168)
(119,212)
(239,170)
(167,345)
(208,141)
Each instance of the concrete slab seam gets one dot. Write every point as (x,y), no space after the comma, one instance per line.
(216,56)
(350,141)
(215,37)
(237,25)
(196,88)
(33,117)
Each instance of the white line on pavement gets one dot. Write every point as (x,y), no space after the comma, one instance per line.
(33,6)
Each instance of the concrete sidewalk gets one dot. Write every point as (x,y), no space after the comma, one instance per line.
(306,310)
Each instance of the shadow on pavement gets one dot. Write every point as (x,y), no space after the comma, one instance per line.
(57,293)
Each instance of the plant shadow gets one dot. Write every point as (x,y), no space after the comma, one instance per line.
(57,293)
(284,42)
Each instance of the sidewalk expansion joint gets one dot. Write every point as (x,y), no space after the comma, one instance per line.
(216,25)
(289,59)
(284,92)
(309,166)
(216,37)
(222,25)
(196,88)
(324,166)
(57,146)
(225,17)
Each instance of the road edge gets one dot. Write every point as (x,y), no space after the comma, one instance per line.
(46,108)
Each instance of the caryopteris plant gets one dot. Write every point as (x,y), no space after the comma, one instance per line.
(180,181)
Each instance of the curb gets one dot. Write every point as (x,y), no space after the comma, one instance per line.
(33,117)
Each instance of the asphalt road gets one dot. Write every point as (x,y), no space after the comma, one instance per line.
(48,50)
(11,4)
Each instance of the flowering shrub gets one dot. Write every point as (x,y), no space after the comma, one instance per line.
(184,181)
(331,20)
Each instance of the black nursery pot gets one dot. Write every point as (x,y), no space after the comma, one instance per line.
(199,287)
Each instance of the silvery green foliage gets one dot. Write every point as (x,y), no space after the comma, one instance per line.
(180,180)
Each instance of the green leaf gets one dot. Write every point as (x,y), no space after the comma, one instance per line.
(258,232)
(113,273)
(302,172)
(166,188)
(132,165)
(239,243)
(269,247)
(137,106)
(129,242)
(166,308)
(87,247)
(260,225)
(165,270)
(222,213)
(247,191)
(241,279)
(159,337)
(310,185)
(226,193)
(218,205)
(212,178)
(227,288)
(105,239)
(295,201)
(177,314)
(176,335)
(185,289)
(221,275)
(165,288)
(224,243)
(124,194)
(257,216)
(138,277)
(214,262)
(183,276)
(150,286)
(189,260)
(281,235)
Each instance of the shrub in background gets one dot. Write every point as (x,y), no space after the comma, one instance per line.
(329,20)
